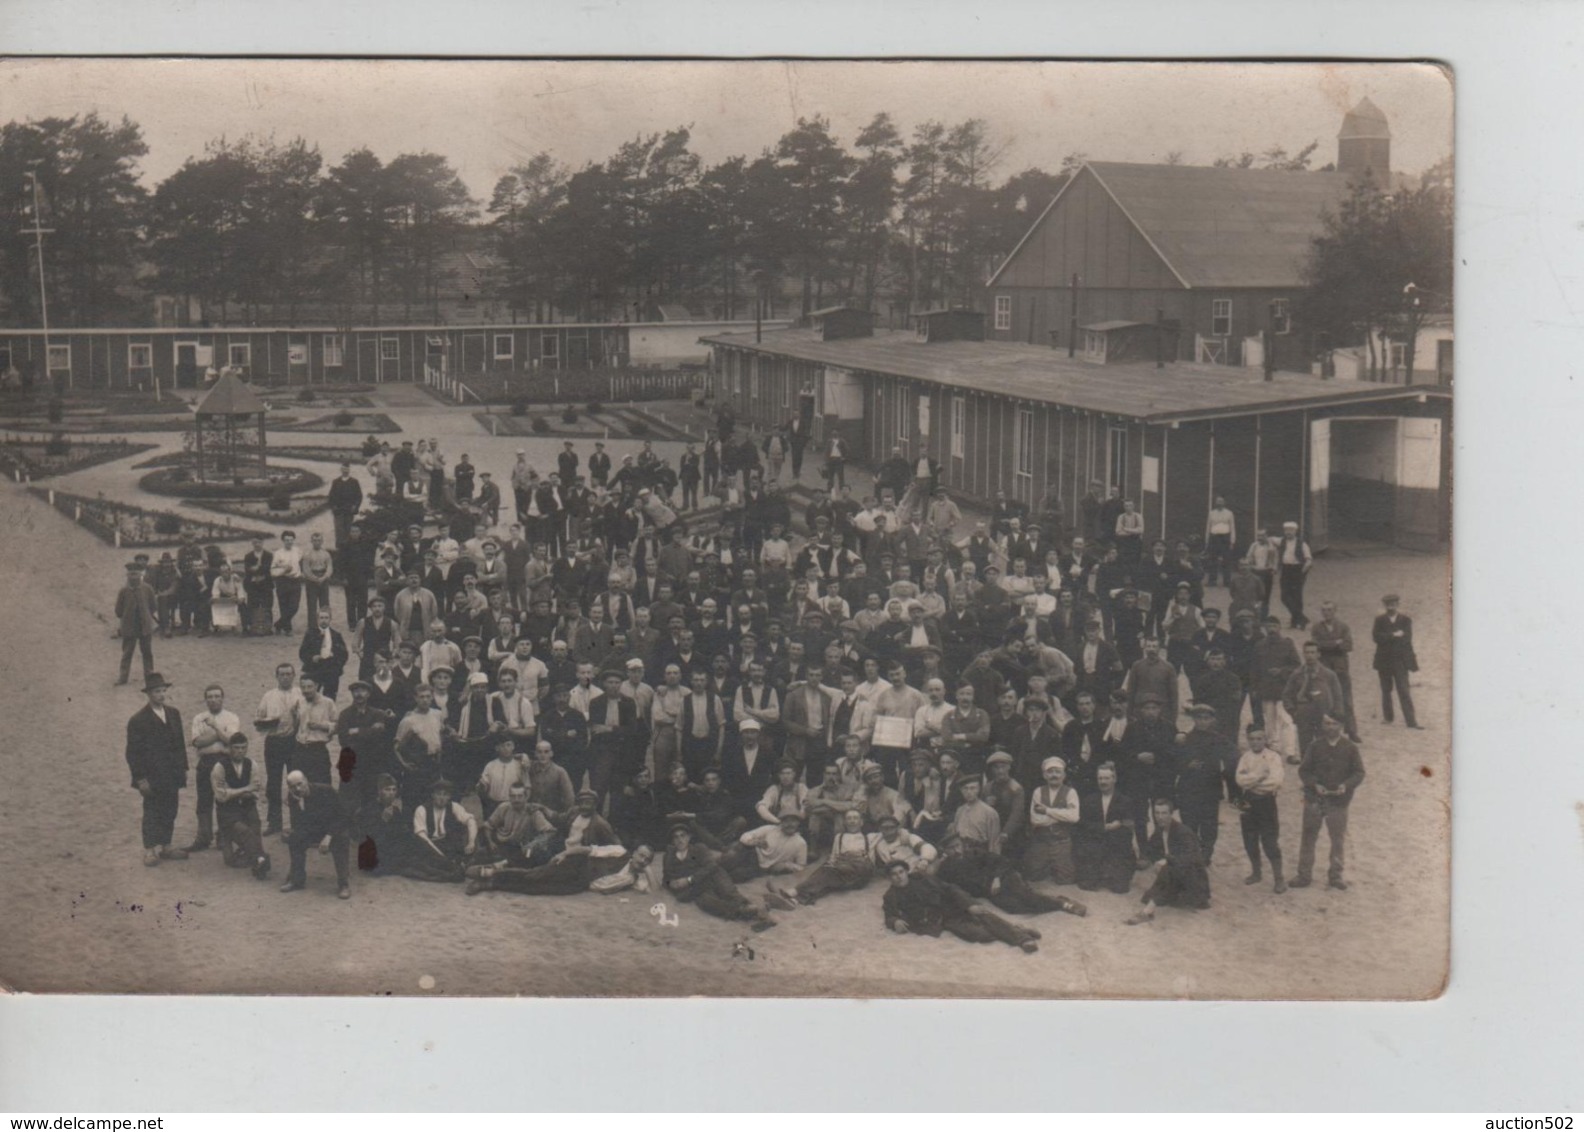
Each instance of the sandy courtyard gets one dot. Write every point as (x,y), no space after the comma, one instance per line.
(83,914)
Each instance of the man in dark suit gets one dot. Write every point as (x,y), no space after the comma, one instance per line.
(747,768)
(1034,742)
(1183,881)
(615,744)
(1394,659)
(324,654)
(156,755)
(317,812)
(1097,668)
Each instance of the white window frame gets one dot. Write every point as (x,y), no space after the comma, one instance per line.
(959,419)
(786,385)
(390,350)
(1220,313)
(1397,352)
(1003,312)
(148,353)
(49,357)
(1281,316)
(247,354)
(511,347)
(549,348)
(1117,457)
(904,416)
(1024,450)
(334,346)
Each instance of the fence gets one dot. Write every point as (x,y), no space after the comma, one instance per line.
(558,386)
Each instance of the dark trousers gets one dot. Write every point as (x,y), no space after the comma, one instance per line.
(835,474)
(164,612)
(1105,861)
(313,759)
(305,837)
(713,891)
(1262,829)
(741,863)
(986,927)
(1389,679)
(240,839)
(130,645)
(564,878)
(318,594)
(261,607)
(1292,588)
(1267,580)
(1017,896)
(690,495)
(278,751)
(797,459)
(1205,822)
(1339,665)
(343,526)
(1218,560)
(288,595)
(159,815)
(836,876)
(206,799)
(698,755)
(1334,816)
(357,598)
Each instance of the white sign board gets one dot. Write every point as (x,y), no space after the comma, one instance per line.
(1151,474)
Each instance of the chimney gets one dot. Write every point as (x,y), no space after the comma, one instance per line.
(1364,144)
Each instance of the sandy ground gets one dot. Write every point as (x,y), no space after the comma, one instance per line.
(84,915)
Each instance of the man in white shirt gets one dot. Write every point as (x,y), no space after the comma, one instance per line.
(770,850)
(437,651)
(1220,538)
(446,836)
(532,674)
(276,720)
(511,712)
(1259,774)
(286,570)
(897,701)
(1293,561)
(211,732)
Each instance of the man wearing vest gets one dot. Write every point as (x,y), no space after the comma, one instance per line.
(374,634)
(1293,561)
(236,792)
(702,726)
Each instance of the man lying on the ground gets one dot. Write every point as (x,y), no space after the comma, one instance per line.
(572,870)
(769,850)
(850,866)
(692,874)
(1183,881)
(990,876)
(919,904)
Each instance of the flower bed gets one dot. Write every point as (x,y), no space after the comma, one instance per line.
(177,480)
(56,456)
(341,422)
(588,426)
(124,524)
(302,507)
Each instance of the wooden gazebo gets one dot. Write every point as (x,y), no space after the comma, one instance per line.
(228,433)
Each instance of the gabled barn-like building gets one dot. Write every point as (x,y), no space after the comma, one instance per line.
(1215,255)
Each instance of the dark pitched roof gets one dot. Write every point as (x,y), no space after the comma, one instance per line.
(1034,373)
(1366,120)
(1225,227)
(230,396)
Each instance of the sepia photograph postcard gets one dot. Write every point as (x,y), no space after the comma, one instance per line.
(738,528)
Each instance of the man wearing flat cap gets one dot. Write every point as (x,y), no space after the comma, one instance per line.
(135,611)
(156,756)
(237,789)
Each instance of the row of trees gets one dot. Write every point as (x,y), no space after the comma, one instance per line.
(264,229)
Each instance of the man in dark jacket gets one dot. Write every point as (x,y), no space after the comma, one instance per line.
(615,745)
(919,904)
(1331,771)
(137,620)
(346,499)
(156,755)
(1183,881)
(324,654)
(990,876)
(317,813)
(1394,660)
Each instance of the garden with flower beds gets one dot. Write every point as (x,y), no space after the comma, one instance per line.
(124,524)
(39,457)
(298,508)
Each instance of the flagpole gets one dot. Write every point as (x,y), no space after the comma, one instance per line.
(37,232)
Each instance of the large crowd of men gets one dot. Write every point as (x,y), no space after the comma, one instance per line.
(593,686)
